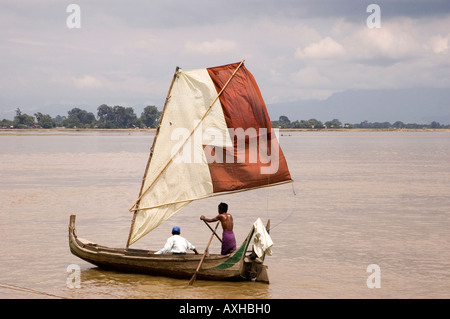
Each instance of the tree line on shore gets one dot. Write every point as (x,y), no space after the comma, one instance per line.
(284,122)
(108,117)
(119,117)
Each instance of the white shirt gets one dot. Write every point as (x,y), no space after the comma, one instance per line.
(176,245)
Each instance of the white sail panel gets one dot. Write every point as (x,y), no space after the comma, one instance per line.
(184,175)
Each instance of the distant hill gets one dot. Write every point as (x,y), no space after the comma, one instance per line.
(419,105)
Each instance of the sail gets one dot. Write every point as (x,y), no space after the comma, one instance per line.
(214,137)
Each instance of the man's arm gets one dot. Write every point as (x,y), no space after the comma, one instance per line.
(191,247)
(210,220)
(167,247)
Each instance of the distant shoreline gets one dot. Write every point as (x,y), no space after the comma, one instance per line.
(77,130)
(365,130)
(282,130)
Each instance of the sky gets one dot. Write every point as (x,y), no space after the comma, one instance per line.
(125,52)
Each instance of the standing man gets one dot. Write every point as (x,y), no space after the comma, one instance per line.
(228,239)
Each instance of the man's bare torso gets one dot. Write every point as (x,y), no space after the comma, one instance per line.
(226,220)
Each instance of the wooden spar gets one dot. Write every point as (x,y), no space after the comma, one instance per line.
(151,154)
(215,194)
(214,232)
(203,257)
(192,132)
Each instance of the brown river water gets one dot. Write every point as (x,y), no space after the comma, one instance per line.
(359,199)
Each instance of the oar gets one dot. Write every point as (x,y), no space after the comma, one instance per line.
(203,258)
(213,231)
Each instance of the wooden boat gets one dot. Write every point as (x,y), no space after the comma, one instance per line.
(214,137)
(240,265)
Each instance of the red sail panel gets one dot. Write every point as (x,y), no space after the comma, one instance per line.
(256,158)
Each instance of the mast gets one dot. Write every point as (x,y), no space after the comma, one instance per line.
(151,155)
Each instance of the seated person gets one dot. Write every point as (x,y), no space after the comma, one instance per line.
(176,244)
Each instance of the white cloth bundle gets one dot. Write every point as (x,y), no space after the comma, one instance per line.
(262,241)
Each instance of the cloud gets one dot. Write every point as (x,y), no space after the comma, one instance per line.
(87,82)
(439,44)
(326,48)
(404,53)
(394,41)
(310,77)
(211,47)
(351,42)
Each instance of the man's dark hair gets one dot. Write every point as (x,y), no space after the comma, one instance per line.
(223,208)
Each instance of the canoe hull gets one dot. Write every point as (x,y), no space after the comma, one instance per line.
(235,266)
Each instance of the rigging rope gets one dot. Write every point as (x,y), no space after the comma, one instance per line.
(30,291)
(292,211)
